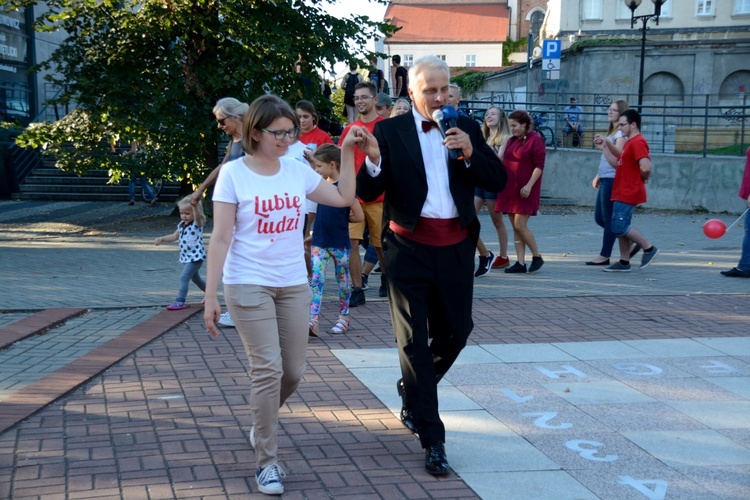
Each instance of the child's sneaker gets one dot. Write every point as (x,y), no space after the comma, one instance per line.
(269,479)
(176,306)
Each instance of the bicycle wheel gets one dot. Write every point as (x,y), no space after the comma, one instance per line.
(155,185)
(548,135)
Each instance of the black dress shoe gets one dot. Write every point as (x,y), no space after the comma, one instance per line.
(599,263)
(736,273)
(435,461)
(406,416)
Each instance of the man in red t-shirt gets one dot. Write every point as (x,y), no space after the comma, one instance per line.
(629,190)
(365,99)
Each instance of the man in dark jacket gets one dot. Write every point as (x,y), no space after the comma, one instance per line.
(430,233)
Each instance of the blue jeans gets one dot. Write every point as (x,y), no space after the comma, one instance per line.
(603,215)
(149,191)
(191,271)
(744,264)
(568,129)
(371,255)
(622,214)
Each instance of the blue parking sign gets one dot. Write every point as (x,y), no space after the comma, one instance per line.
(551,49)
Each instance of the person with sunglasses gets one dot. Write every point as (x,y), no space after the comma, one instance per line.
(228,112)
(256,250)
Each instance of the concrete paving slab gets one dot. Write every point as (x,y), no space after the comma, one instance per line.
(478,442)
(601,350)
(680,449)
(737,385)
(539,485)
(729,346)
(583,393)
(672,348)
(527,353)
(716,414)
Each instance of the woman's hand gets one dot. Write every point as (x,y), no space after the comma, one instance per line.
(211,314)
(364,140)
(596,182)
(525,191)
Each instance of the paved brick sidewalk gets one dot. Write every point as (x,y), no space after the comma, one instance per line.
(171,419)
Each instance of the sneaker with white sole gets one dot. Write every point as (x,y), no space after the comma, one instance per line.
(269,479)
(617,267)
(226,320)
(648,257)
(485,265)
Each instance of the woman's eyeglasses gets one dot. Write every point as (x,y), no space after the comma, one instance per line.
(293,133)
(221,121)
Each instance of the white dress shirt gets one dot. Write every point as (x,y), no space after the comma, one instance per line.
(439,203)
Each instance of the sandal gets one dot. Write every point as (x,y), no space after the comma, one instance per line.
(313,328)
(341,326)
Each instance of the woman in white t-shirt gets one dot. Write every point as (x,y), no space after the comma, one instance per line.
(257,242)
(604,180)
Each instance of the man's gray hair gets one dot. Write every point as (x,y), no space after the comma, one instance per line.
(455,86)
(427,63)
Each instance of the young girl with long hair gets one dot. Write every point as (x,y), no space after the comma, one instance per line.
(605,178)
(330,240)
(496,131)
(192,253)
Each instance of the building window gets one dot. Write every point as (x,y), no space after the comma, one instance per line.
(471,60)
(441,57)
(742,7)
(592,9)
(408,60)
(704,8)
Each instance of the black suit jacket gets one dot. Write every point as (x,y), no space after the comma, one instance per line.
(403,178)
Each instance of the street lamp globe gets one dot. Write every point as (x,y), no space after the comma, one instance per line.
(633,4)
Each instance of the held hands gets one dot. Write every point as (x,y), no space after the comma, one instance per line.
(365,141)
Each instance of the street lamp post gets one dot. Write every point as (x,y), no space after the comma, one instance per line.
(632,5)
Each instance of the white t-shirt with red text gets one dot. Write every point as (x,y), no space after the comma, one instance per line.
(267,244)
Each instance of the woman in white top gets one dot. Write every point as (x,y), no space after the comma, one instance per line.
(257,242)
(604,179)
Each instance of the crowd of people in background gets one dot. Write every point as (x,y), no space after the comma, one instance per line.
(284,205)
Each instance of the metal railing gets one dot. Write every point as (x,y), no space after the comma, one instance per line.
(707,124)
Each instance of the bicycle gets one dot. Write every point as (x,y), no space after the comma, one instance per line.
(576,137)
(548,135)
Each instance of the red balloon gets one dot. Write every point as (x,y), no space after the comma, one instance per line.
(714,228)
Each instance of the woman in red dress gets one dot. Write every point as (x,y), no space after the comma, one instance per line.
(523,156)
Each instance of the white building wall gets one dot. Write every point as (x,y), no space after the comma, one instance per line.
(488,54)
(676,14)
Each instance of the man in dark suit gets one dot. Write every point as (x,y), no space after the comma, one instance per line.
(429,239)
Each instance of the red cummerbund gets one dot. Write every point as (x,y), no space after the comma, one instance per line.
(435,232)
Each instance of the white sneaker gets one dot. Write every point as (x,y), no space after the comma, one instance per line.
(226,320)
(269,479)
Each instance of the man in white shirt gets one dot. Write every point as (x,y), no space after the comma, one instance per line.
(429,241)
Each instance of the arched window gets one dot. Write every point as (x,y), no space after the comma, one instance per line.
(735,85)
(535,24)
(663,84)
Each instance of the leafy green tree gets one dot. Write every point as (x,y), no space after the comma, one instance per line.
(151,70)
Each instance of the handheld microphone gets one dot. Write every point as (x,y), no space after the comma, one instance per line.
(446,119)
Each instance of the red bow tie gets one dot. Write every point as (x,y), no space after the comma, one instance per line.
(427,125)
